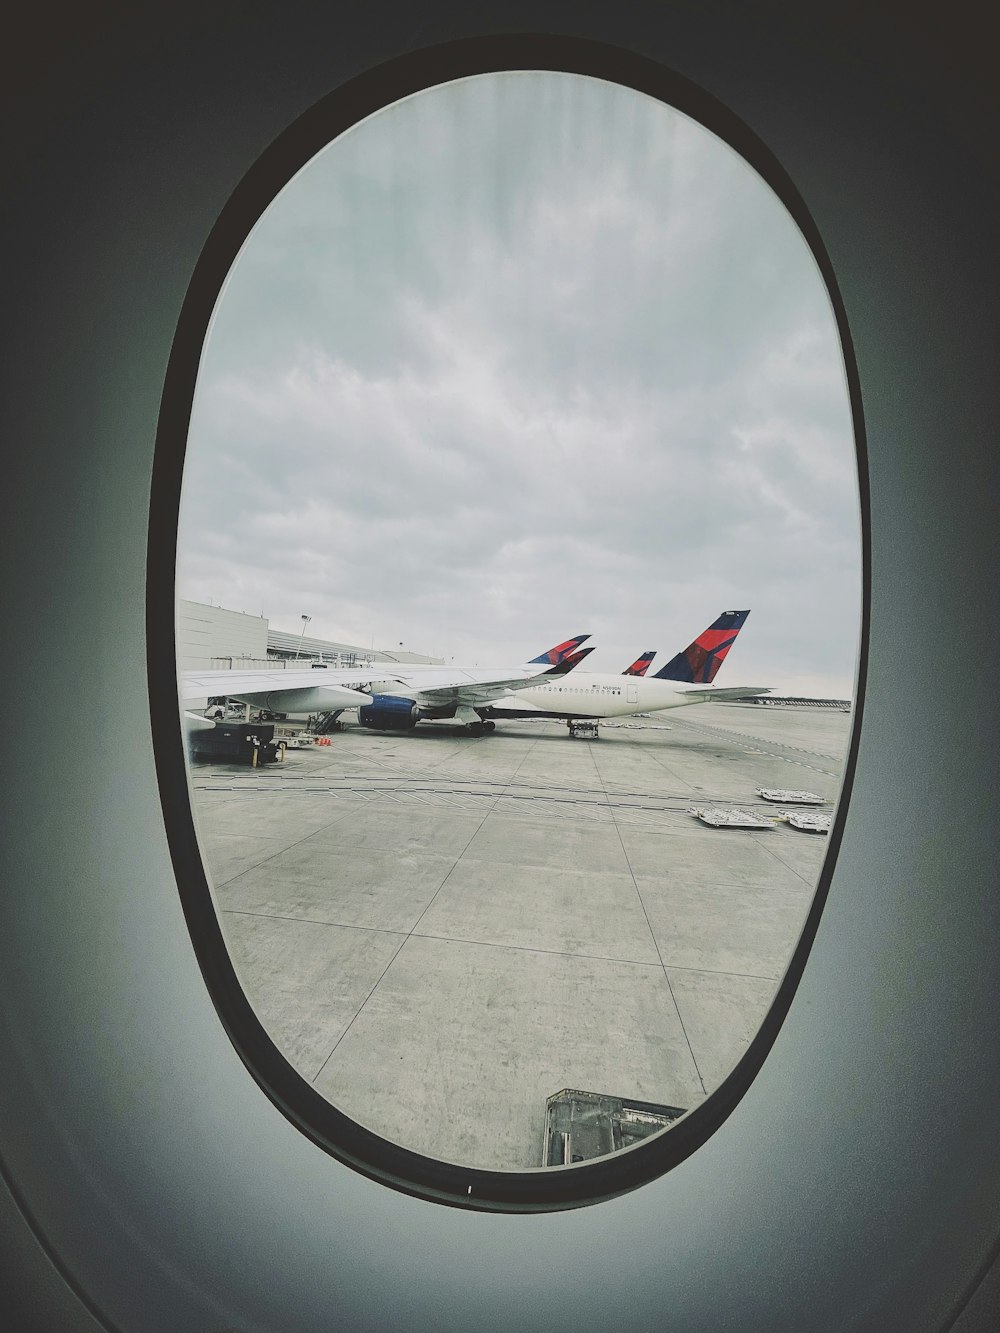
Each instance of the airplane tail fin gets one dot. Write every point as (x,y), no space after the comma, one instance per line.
(553,656)
(641,664)
(568,663)
(700,661)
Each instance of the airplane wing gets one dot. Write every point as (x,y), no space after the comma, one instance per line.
(195,722)
(325,689)
(198,684)
(475,688)
(281,691)
(474,691)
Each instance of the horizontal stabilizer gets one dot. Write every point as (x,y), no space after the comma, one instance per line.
(731,692)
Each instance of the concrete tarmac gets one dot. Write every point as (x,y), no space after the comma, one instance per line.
(440,931)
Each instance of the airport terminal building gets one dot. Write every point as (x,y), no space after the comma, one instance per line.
(214,638)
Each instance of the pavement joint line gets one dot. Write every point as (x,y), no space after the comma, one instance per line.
(662,819)
(652,936)
(264,860)
(409,935)
(716,733)
(663,968)
(494,944)
(810,881)
(361,1008)
(634,740)
(309,921)
(722,972)
(612,800)
(535,948)
(533,791)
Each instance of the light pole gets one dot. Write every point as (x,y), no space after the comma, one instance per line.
(305,622)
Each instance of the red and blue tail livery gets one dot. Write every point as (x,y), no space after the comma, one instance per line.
(700,661)
(559,653)
(567,664)
(641,664)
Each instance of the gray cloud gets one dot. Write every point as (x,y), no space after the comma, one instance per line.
(525,356)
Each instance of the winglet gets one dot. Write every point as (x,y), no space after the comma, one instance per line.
(641,664)
(568,663)
(700,661)
(558,654)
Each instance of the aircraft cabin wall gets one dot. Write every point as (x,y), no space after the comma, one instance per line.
(149,1184)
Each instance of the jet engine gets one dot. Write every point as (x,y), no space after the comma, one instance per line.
(389,712)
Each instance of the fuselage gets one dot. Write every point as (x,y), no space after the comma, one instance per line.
(593,694)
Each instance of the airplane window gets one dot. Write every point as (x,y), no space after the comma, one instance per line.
(521,366)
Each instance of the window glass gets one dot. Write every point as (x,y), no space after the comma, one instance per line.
(524,357)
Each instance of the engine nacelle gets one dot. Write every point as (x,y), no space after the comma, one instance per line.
(388,712)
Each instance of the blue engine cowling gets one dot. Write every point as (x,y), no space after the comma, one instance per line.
(388,712)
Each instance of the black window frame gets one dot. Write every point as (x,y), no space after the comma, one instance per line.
(522,1191)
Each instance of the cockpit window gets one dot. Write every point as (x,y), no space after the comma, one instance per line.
(525,364)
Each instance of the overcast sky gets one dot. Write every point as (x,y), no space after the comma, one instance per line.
(526,356)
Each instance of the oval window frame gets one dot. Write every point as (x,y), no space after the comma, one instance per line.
(540,1189)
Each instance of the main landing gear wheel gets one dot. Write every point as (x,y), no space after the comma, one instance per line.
(481,728)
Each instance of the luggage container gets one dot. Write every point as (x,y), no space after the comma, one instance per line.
(237,743)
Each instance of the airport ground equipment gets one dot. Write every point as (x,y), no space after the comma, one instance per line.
(295,740)
(326,723)
(238,742)
(584,728)
(583,1125)
(808,821)
(784,797)
(718,817)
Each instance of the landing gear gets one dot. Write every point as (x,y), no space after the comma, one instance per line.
(481,728)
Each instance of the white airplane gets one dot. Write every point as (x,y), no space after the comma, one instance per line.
(686,679)
(385,702)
